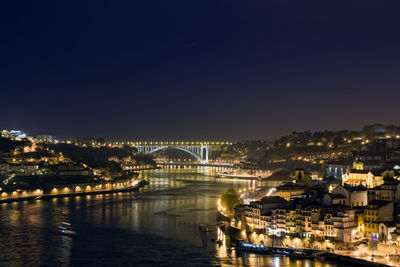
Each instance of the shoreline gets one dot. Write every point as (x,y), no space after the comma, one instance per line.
(99,192)
(305,253)
(310,254)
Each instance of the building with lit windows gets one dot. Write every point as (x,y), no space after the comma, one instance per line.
(256,212)
(345,225)
(361,176)
(288,191)
(377,212)
(45,138)
(388,191)
(346,195)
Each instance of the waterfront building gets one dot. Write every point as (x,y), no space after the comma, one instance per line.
(239,216)
(360,222)
(278,222)
(253,215)
(326,223)
(336,223)
(377,211)
(345,225)
(256,211)
(315,216)
(290,220)
(387,231)
(303,223)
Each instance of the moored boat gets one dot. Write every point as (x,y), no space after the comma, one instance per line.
(248,247)
(66,229)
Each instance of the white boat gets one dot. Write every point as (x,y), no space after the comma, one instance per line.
(66,229)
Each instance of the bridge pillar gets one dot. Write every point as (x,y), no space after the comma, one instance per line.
(202,153)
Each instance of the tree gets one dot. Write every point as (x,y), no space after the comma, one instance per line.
(230,199)
(388,174)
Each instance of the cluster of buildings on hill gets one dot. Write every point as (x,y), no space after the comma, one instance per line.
(30,167)
(29,159)
(323,147)
(320,214)
(370,159)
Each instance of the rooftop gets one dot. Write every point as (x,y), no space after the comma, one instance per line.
(281,178)
(355,188)
(337,196)
(273,200)
(379,203)
(290,186)
(359,171)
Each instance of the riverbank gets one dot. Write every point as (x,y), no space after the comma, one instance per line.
(259,243)
(342,259)
(310,254)
(83,193)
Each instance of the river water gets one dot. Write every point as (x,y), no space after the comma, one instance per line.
(157,226)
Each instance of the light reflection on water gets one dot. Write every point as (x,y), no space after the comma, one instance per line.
(157,226)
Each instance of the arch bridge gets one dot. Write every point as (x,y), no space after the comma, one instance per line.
(199,150)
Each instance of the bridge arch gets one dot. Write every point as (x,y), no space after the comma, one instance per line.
(198,157)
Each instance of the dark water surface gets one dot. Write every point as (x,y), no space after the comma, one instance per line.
(157,226)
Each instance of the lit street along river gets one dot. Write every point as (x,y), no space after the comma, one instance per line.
(156,226)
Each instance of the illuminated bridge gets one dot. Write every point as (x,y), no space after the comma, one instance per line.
(200,150)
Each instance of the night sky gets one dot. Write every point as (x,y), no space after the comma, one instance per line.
(187,70)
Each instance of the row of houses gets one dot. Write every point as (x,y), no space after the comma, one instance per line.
(346,214)
(34,169)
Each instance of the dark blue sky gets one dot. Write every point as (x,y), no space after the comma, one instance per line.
(198,69)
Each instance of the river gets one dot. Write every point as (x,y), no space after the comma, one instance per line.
(156,226)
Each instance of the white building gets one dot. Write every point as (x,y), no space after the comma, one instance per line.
(355,196)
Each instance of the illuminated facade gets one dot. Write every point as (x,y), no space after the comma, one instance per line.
(336,223)
(361,176)
(377,212)
(353,196)
(290,190)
